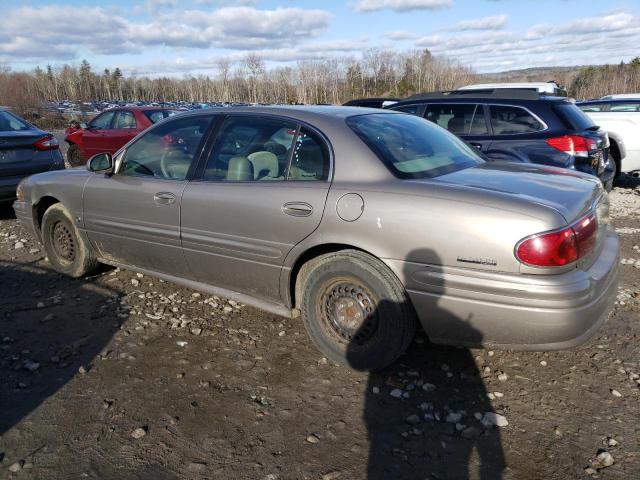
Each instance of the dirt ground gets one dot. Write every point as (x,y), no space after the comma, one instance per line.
(123,376)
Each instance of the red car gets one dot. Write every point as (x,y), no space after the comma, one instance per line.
(110,130)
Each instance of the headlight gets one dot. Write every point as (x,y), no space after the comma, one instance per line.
(20,193)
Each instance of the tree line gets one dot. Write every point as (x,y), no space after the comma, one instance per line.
(375,73)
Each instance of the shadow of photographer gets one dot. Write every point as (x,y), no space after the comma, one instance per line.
(429,414)
(51,326)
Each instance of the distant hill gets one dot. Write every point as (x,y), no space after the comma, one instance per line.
(562,75)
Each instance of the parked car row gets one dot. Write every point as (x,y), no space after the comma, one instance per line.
(363,222)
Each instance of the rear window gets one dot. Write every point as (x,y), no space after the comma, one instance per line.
(573,116)
(412,147)
(156,115)
(11,123)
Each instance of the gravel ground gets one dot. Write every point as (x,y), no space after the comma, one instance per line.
(124,376)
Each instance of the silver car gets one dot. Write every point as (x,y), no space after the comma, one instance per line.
(361,221)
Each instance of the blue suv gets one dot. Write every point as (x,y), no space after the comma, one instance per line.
(519,126)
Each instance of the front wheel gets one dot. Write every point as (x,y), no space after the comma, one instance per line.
(74,156)
(355,310)
(67,251)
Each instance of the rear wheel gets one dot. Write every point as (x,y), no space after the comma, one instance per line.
(67,251)
(355,309)
(74,156)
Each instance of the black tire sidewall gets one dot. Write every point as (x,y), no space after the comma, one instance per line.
(78,266)
(74,156)
(394,319)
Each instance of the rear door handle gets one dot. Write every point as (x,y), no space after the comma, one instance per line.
(476,145)
(297,209)
(164,198)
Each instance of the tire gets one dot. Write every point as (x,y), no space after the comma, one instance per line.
(380,320)
(74,156)
(67,251)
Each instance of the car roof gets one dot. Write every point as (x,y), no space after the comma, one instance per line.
(467,98)
(137,108)
(301,112)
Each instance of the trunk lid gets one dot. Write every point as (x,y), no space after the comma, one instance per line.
(570,193)
(18,156)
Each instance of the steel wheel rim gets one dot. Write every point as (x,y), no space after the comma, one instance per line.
(348,310)
(63,241)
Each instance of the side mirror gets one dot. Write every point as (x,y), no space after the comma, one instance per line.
(84,126)
(102,162)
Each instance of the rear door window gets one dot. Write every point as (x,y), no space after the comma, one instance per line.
(250,149)
(461,119)
(155,116)
(593,107)
(310,158)
(625,107)
(509,120)
(125,119)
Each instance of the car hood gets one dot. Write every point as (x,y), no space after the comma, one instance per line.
(568,192)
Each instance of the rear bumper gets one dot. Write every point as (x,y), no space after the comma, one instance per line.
(8,188)
(524,312)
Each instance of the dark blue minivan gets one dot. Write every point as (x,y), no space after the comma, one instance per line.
(519,126)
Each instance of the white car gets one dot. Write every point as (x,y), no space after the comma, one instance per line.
(620,117)
(548,88)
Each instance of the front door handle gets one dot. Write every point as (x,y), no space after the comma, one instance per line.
(476,145)
(164,198)
(297,209)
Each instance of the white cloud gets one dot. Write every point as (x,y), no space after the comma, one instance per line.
(400,35)
(399,5)
(495,22)
(103,32)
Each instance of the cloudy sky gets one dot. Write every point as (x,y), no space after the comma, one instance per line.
(189,36)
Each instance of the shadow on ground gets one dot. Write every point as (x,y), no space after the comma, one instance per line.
(50,327)
(435,430)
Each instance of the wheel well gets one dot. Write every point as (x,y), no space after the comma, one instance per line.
(615,153)
(310,254)
(42,206)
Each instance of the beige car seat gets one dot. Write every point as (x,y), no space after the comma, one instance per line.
(265,165)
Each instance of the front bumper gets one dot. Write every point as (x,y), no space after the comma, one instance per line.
(523,312)
(24,214)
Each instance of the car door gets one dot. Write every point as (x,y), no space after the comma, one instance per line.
(466,120)
(262,190)
(94,137)
(133,217)
(518,135)
(125,128)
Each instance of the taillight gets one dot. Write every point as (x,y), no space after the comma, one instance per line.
(573,145)
(555,249)
(48,142)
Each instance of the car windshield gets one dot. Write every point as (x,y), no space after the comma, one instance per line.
(11,123)
(412,147)
(156,115)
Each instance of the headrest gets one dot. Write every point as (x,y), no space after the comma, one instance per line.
(240,170)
